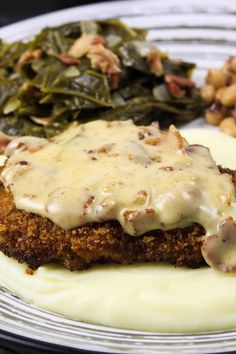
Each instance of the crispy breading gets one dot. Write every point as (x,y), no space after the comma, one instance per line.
(36,240)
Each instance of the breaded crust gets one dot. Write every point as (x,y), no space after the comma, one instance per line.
(36,240)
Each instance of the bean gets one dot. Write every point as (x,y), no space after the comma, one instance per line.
(214,117)
(225,69)
(219,92)
(215,78)
(208,93)
(232,64)
(232,79)
(228,96)
(228,126)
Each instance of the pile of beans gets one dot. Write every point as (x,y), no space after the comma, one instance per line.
(219,95)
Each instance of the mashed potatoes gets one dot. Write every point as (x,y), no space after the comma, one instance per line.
(152,297)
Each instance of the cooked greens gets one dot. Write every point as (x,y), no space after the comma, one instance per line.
(88,70)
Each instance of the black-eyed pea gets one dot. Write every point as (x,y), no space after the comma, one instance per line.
(225,68)
(232,64)
(232,78)
(228,126)
(216,78)
(232,112)
(228,96)
(219,92)
(208,93)
(214,117)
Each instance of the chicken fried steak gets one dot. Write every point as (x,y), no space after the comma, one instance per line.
(36,240)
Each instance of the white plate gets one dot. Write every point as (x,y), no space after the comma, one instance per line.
(201,31)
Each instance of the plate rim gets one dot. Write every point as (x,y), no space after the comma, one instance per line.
(39,22)
(110,5)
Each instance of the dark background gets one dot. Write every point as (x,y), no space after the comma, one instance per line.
(16,10)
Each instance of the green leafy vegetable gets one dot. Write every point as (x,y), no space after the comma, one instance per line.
(119,75)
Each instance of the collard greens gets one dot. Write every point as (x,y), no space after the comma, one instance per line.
(43,88)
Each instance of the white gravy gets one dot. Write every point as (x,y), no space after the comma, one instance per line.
(140,176)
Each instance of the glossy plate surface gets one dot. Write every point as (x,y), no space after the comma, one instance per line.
(195,30)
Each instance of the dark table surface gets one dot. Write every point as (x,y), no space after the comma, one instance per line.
(16,10)
(12,344)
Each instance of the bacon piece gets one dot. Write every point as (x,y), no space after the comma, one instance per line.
(176,83)
(179,80)
(142,197)
(114,80)
(29,55)
(175,90)
(219,250)
(4,141)
(175,140)
(155,124)
(68,59)
(98,40)
(106,148)
(154,59)
(87,204)
(103,59)
(153,141)
(137,219)
(23,143)
(144,133)
(83,44)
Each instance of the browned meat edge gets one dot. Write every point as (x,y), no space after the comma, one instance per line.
(36,240)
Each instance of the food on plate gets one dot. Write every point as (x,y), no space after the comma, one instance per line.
(143,296)
(146,221)
(113,191)
(35,240)
(83,71)
(219,95)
